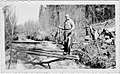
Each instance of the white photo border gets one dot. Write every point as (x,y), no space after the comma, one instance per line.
(117,25)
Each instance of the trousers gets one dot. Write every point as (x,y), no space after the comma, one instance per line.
(67,41)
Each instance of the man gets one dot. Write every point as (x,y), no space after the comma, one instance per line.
(68,29)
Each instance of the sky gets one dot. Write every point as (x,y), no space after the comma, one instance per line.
(26,11)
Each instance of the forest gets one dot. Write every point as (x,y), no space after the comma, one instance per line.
(99,53)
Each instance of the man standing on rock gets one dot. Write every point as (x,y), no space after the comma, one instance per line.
(68,31)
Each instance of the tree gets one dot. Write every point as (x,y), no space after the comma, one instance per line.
(10,27)
(99,13)
(10,21)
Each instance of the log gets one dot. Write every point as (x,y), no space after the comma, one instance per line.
(35,63)
(50,60)
(45,61)
(35,42)
(71,57)
(27,42)
(48,52)
(45,49)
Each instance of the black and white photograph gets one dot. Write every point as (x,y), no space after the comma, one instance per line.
(59,36)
